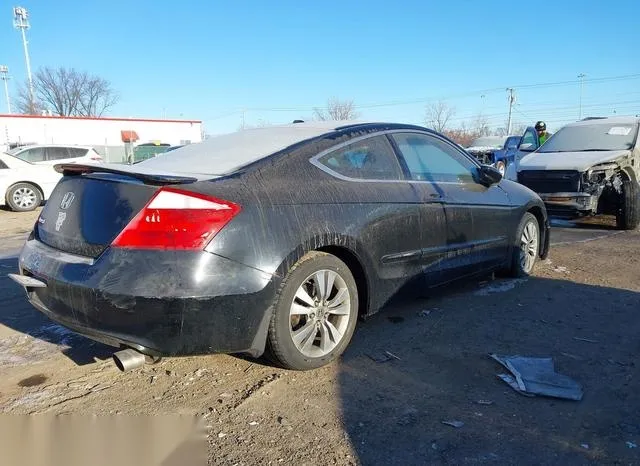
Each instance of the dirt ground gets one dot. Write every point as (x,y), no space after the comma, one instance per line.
(581,308)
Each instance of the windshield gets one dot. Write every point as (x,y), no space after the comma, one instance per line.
(595,137)
(488,141)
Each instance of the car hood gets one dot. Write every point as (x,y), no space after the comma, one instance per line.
(580,161)
(482,148)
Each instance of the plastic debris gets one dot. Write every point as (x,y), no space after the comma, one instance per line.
(485,402)
(537,376)
(631,445)
(386,356)
(456,424)
(588,340)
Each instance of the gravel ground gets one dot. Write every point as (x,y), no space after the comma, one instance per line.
(580,308)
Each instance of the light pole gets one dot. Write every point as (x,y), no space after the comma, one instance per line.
(4,75)
(21,21)
(581,77)
(512,100)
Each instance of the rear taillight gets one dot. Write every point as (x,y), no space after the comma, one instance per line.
(176,219)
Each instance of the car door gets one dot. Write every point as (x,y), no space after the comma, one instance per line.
(477,216)
(528,144)
(392,234)
(32,155)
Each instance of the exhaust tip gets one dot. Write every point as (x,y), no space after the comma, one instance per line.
(128,359)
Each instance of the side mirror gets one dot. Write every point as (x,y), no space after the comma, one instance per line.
(527,147)
(489,175)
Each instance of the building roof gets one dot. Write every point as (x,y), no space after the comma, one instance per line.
(77,118)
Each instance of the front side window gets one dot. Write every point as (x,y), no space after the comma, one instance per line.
(370,159)
(529,138)
(33,155)
(430,159)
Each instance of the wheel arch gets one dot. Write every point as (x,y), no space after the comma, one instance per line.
(538,212)
(345,248)
(32,183)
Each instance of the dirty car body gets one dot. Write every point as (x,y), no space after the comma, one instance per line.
(186,253)
(587,168)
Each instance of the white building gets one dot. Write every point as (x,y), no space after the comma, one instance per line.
(105,134)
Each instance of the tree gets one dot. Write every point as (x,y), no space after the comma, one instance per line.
(438,116)
(66,92)
(336,110)
(481,125)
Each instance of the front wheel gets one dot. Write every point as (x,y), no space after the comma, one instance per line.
(628,214)
(527,247)
(501,167)
(315,313)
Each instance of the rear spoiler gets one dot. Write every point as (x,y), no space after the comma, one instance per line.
(71,169)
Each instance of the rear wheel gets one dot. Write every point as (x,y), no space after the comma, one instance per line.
(628,213)
(315,313)
(23,197)
(527,247)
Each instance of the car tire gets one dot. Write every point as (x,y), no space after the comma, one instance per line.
(23,197)
(628,214)
(526,248)
(310,328)
(501,167)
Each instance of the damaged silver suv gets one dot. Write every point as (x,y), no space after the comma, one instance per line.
(587,168)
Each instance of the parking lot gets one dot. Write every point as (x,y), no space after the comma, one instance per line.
(580,308)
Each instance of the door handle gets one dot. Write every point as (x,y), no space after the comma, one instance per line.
(435,196)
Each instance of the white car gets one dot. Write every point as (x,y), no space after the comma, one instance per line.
(52,154)
(24,185)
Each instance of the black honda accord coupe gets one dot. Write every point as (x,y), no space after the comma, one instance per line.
(271,239)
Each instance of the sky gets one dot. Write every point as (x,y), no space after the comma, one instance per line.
(270,62)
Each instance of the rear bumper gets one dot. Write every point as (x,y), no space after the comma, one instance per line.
(161,303)
(570,204)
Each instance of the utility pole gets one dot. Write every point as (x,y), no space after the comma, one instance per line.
(21,21)
(4,75)
(512,100)
(581,77)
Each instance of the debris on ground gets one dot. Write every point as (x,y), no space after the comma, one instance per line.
(485,402)
(537,376)
(588,340)
(560,269)
(384,357)
(585,446)
(456,424)
(631,445)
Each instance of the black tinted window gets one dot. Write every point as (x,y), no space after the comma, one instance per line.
(58,153)
(430,159)
(369,159)
(3,165)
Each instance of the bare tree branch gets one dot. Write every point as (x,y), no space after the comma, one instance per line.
(336,110)
(438,115)
(67,92)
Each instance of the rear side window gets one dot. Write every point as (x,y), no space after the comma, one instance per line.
(370,159)
(59,153)
(3,165)
(431,159)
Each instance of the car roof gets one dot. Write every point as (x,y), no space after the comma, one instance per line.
(617,120)
(228,152)
(71,146)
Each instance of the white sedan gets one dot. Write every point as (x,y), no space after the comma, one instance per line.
(24,185)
